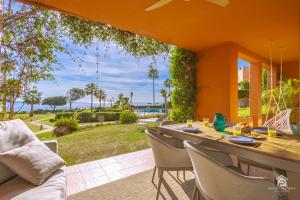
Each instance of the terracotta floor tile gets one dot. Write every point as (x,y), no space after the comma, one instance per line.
(112,168)
(88,166)
(95,182)
(75,188)
(92,173)
(74,178)
(72,169)
(107,161)
(116,175)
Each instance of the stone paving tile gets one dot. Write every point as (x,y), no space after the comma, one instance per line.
(92,174)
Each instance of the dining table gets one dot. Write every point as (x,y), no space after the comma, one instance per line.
(281,153)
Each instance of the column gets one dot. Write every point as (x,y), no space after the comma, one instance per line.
(255,93)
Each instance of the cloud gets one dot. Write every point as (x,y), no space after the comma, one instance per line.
(118,73)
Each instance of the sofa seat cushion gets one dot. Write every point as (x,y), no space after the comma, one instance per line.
(54,188)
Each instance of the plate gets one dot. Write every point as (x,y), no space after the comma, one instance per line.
(258,137)
(241,139)
(264,130)
(189,129)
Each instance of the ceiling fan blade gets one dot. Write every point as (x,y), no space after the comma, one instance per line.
(158,5)
(222,3)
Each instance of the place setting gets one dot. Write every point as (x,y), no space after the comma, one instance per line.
(189,127)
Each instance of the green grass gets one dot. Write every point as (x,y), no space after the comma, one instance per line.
(245,112)
(25,117)
(100,142)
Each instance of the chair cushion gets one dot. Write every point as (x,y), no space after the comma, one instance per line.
(34,161)
(54,188)
(13,134)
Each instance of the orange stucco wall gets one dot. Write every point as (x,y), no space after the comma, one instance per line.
(291,70)
(217,75)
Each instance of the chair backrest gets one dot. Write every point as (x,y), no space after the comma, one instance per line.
(165,154)
(218,182)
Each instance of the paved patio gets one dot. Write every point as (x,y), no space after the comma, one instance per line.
(92,174)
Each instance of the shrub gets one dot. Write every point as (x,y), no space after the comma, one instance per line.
(85,116)
(127,117)
(114,109)
(108,116)
(100,109)
(65,115)
(65,126)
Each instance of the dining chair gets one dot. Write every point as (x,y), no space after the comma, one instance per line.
(169,155)
(218,180)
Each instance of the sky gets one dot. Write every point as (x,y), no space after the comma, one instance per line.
(118,72)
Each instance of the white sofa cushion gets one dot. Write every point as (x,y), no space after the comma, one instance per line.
(34,161)
(13,134)
(5,173)
(54,188)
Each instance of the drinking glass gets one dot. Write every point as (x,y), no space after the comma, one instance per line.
(205,121)
(189,123)
(237,130)
(272,132)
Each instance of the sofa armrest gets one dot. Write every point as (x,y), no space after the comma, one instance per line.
(52,145)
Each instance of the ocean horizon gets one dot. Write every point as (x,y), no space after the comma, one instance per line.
(21,107)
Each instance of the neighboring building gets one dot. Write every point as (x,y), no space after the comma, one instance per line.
(244,73)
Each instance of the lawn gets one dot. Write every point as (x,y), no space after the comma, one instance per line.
(245,112)
(100,142)
(25,117)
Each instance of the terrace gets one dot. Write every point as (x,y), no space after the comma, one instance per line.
(254,31)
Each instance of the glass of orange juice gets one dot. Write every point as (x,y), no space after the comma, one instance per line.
(205,121)
(272,132)
(189,123)
(237,130)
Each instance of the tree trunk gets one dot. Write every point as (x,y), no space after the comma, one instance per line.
(11,110)
(153,92)
(169,93)
(166,102)
(3,98)
(91,102)
(100,102)
(70,107)
(31,110)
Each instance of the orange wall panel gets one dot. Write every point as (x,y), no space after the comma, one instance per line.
(217,82)
(291,70)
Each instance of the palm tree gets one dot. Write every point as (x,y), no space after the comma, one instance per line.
(120,99)
(168,84)
(90,89)
(104,99)
(164,94)
(131,95)
(153,74)
(100,94)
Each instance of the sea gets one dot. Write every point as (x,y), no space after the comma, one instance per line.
(21,107)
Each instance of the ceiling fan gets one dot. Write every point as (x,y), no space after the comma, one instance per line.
(161,3)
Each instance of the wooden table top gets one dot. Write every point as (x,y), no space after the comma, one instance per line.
(285,147)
